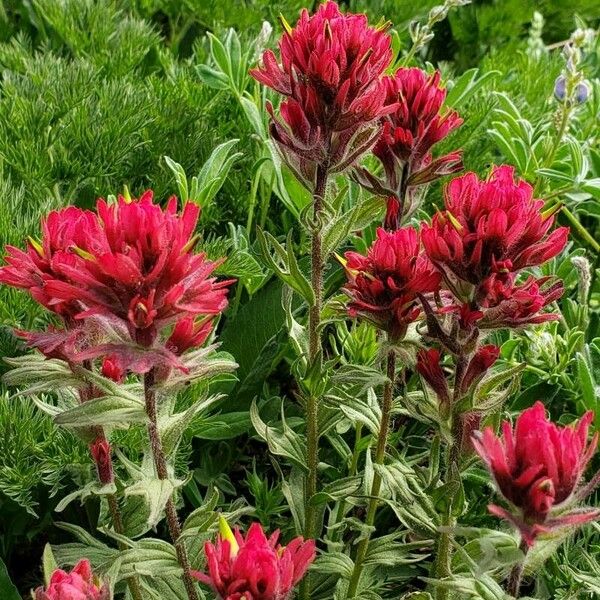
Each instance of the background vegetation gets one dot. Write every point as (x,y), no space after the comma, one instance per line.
(95,93)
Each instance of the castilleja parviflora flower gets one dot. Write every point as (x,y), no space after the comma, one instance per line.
(538,466)
(487,233)
(131,263)
(79,584)
(254,567)
(406,141)
(330,72)
(384,285)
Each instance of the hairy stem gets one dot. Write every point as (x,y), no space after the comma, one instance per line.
(513,586)
(160,463)
(442,567)
(314,348)
(87,393)
(382,438)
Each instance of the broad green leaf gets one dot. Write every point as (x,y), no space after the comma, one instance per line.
(7,589)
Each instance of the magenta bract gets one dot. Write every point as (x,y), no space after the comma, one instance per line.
(537,466)
(256,567)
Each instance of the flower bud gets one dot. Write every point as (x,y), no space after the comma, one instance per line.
(428,366)
(560,88)
(79,584)
(582,92)
(101,453)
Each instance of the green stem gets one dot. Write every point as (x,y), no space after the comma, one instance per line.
(442,566)
(382,438)
(160,463)
(515,578)
(580,229)
(341,511)
(314,349)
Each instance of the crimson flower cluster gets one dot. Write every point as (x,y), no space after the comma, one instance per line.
(538,466)
(255,567)
(130,264)
(408,136)
(79,584)
(489,231)
(330,72)
(385,285)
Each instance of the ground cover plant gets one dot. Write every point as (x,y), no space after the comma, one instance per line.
(299,300)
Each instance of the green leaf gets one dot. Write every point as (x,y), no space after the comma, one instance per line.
(586,382)
(49,564)
(284,263)
(108,410)
(467,85)
(282,441)
(7,589)
(255,337)
(156,493)
(334,563)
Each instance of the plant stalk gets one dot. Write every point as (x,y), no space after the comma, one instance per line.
(160,463)
(314,349)
(382,438)
(113,504)
(442,566)
(515,578)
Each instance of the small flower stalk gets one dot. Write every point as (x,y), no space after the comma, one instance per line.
(254,567)
(78,584)
(404,147)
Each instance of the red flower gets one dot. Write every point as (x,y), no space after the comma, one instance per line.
(537,468)
(63,232)
(189,333)
(488,227)
(384,285)
(508,305)
(428,366)
(101,453)
(331,74)
(482,360)
(112,369)
(79,584)
(409,133)
(418,123)
(132,261)
(255,568)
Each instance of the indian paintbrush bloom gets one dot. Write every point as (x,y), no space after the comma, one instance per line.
(481,361)
(384,285)
(407,138)
(330,73)
(254,567)
(79,584)
(490,227)
(430,369)
(101,453)
(129,266)
(506,304)
(538,466)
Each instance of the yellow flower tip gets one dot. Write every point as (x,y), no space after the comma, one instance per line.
(455,222)
(383,24)
(285,24)
(126,194)
(340,259)
(551,211)
(227,534)
(37,246)
(190,245)
(82,253)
